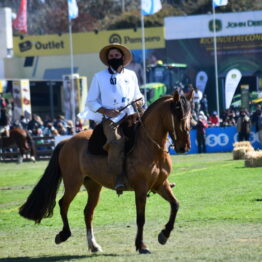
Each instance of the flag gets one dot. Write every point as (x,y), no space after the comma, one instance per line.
(72,9)
(20,23)
(150,7)
(219,2)
(233,78)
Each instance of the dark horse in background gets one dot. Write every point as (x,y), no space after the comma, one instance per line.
(147,168)
(20,138)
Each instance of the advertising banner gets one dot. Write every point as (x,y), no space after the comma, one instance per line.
(50,45)
(22,99)
(232,80)
(220,139)
(227,24)
(201,81)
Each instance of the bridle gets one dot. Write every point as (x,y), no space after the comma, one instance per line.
(172,133)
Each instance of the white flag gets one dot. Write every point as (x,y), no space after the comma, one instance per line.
(201,81)
(220,2)
(72,9)
(232,80)
(150,7)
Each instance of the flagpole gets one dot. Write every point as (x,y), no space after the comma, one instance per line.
(215,57)
(72,99)
(143,53)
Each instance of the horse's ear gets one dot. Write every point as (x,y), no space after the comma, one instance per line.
(176,96)
(190,95)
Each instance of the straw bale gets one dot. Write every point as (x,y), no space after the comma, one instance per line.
(240,152)
(242,144)
(253,159)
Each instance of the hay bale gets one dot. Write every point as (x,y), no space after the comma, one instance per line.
(240,152)
(242,144)
(253,159)
(241,148)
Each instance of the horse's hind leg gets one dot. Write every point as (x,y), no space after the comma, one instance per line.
(166,192)
(93,190)
(71,189)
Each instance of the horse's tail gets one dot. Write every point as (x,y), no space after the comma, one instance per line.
(31,143)
(41,202)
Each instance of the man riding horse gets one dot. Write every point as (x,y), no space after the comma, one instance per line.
(111,90)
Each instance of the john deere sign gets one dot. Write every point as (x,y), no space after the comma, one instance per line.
(226,24)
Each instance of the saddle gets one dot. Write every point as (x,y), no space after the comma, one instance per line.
(97,140)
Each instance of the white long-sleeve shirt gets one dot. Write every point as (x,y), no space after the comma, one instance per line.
(103,93)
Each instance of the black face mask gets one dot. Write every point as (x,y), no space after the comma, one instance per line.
(115,62)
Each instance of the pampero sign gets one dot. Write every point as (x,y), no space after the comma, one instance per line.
(240,23)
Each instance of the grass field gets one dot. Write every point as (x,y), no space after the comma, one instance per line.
(220,217)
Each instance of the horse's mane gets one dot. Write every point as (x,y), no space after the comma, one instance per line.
(154,104)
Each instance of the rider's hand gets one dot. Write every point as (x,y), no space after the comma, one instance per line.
(139,103)
(108,112)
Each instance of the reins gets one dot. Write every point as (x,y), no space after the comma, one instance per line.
(147,134)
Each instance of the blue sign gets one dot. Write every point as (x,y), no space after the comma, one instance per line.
(220,139)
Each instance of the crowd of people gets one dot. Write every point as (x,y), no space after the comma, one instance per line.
(50,127)
(238,117)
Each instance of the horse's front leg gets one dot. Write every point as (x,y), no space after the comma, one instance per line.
(166,192)
(140,219)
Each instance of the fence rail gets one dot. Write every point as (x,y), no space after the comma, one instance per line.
(44,149)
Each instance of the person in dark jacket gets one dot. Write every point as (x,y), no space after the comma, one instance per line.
(201,133)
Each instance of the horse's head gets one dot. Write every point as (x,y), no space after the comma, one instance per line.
(180,121)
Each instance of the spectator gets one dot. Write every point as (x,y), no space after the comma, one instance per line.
(197,98)
(60,120)
(23,122)
(243,126)
(254,117)
(79,125)
(204,104)
(70,127)
(202,115)
(48,129)
(34,124)
(4,119)
(214,119)
(201,133)
(259,125)
(61,129)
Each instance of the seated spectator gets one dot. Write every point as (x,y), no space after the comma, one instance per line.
(214,119)
(34,124)
(60,120)
(70,127)
(48,129)
(61,129)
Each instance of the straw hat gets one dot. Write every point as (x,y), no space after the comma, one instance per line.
(104,52)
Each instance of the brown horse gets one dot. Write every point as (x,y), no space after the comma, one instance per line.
(22,139)
(147,167)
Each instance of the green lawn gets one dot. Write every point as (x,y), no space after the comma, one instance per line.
(220,217)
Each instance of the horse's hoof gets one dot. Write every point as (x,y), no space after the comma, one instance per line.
(58,239)
(62,237)
(96,249)
(144,251)
(33,159)
(162,239)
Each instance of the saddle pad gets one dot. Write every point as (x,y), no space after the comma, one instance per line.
(98,139)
